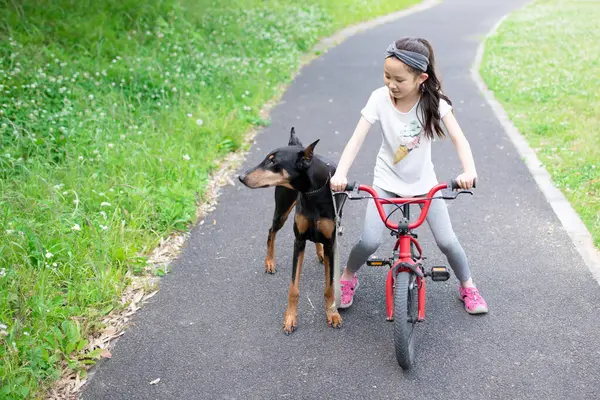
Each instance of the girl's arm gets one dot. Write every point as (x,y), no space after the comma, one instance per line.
(339,180)
(466,179)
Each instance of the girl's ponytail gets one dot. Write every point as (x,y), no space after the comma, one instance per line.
(431,90)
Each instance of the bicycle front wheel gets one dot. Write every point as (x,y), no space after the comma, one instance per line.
(405,318)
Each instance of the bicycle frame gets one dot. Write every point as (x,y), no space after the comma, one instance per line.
(405,260)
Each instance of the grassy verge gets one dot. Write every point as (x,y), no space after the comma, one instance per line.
(543,67)
(112,116)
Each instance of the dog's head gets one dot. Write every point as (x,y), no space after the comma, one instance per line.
(281,166)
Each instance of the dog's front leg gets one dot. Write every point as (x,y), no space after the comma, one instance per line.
(320,254)
(326,227)
(291,314)
(284,203)
(333,316)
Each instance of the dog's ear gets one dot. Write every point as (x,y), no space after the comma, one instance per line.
(294,139)
(308,153)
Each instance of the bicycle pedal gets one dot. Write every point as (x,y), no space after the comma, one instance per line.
(439,273)
(375,261)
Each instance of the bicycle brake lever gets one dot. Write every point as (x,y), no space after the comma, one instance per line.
(455,195)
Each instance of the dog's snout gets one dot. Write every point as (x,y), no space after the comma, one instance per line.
(242,177)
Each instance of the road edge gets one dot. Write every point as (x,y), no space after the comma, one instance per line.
(570,220)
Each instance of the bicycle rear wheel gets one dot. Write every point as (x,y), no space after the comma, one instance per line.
(405,318)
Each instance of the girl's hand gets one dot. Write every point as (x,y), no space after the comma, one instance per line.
(465,180)
(338,183)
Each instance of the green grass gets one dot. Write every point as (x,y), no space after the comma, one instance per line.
(544,68)
(112,116)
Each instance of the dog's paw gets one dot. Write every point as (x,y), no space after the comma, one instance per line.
(334,320)
(270,266)
(289,324)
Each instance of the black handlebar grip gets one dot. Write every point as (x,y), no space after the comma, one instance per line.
(350,186)
(454,184)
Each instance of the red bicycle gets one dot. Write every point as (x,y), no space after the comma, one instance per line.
(405,283)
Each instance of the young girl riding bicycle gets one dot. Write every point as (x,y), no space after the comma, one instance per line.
(409,109)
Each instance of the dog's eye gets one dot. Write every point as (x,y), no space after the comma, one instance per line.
(271,161)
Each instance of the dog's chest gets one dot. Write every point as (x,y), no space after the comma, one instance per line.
(314,219)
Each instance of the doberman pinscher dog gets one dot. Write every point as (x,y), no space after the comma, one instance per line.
(301,178)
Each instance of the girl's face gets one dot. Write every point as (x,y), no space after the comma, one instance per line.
(400,80)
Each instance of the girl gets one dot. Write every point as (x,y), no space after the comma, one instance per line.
(409,109)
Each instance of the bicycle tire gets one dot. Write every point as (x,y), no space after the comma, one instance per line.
(405,318)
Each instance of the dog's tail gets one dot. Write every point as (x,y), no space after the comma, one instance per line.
(294,139)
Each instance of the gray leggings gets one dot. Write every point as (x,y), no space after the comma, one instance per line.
(439,223)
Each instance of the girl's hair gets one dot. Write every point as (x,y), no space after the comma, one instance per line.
(431,89)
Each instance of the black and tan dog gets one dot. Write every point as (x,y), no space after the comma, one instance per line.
(300,178)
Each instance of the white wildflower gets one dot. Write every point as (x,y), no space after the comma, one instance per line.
(199,122)
(76,227)
(186,157)
(49,255)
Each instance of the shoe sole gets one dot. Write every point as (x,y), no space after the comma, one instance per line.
(349,304)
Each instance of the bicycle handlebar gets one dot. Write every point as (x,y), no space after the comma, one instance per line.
(454,185)
(426,201)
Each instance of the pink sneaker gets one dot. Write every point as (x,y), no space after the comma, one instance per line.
(348,289)
(474,303)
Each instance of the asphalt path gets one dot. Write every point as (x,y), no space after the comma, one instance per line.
(214,331)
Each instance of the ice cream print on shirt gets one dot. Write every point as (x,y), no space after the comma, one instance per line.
(410,139)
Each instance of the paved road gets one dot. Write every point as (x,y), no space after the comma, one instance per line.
(214,330)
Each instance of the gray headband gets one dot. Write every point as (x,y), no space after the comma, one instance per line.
(410,58)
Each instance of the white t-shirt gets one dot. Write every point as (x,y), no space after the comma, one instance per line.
(403,164)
